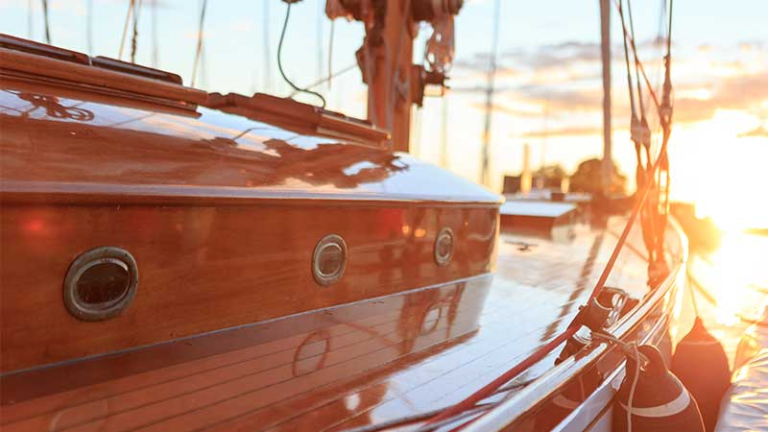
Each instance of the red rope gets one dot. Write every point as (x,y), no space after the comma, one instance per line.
(637,58)
(489,389)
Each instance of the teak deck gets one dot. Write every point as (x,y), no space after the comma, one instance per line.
(338,368)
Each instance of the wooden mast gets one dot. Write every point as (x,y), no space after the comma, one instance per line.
(386,58)
(389,96)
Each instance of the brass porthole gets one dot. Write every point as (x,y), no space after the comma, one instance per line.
(329,260)
(100,284)
(444,247)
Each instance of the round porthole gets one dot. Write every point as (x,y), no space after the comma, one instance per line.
(100,283)
(444,247)
(329,260)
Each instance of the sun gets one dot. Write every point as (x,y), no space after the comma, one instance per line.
(726,175)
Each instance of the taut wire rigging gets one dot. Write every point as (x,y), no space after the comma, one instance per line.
(200,35)
(664,110)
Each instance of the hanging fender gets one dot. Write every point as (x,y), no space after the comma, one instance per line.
(702,366)
(660,402)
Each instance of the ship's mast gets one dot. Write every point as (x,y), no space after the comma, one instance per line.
(389,95)
(485,160)
(386,57)
(605,33)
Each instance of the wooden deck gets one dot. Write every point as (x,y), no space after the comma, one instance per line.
(338,368)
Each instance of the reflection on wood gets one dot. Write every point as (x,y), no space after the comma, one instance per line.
(204,268)
(252,376)
(221,214)
(346,366)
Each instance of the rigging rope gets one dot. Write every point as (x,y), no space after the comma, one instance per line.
(490,89)
(330,54)
(328,78)
(641,131)
(200,36)
(637,69)
(575,325)
(655,215)
(630,85)
(128,15)
(640,136)
(661,35)
(135,38)
(665,114)
(47,25)
(280,61)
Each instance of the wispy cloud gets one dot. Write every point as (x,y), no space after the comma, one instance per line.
(501,108)
(742,93)
(554,55)
(565,131)
(760,131)
(566,77)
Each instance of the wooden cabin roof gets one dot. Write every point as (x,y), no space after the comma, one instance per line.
(68,141)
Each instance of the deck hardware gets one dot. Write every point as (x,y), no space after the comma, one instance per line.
(614,299)
(329,260)
(594,316)
(444,247)
(100,283)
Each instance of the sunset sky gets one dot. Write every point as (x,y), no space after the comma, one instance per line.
(548,57)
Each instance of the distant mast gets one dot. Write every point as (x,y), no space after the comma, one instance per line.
(605,44)
(484,167)
(526,177)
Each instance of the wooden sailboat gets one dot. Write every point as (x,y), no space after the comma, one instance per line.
(176,260)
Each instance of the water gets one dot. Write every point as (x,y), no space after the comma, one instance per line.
(731,288)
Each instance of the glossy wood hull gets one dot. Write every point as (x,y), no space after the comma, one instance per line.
(221,214)
(283,359)
(366,362)
(210,268)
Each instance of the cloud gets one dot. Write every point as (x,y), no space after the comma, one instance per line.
(743,93)
(506,110)
(760,131)
(555,55)
(561,99)
(564,131)
(567,77)
(481,88)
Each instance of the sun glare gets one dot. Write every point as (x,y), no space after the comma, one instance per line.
(736,276)
(726,175)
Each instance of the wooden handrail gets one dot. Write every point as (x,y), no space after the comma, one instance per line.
(77,72)
(303,117)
